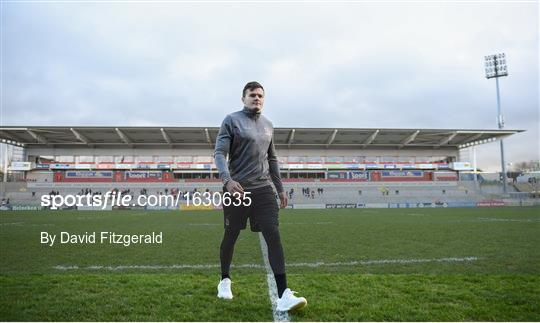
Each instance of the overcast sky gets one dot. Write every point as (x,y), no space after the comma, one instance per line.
(390,65)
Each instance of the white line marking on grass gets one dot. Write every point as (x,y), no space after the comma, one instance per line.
(12,223)
(258,266)
(272,287)
(288,223)
(212,224)
(509,220)
(380,262)
(143,213)
(157,267)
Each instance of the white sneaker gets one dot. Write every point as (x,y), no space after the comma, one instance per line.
(289,302)
(224,289)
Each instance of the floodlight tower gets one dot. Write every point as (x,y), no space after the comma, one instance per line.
(495,68)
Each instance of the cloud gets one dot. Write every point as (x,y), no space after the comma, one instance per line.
(323,65)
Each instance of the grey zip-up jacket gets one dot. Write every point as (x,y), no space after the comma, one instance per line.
(247,138)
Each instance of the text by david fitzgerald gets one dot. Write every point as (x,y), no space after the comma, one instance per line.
(104,237)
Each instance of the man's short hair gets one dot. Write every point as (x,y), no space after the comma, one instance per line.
(252,86)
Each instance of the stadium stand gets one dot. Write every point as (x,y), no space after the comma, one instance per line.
(322,167)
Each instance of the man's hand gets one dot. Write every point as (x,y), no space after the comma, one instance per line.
(234,187)
(283,200)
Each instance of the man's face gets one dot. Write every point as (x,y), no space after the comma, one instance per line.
(254,99)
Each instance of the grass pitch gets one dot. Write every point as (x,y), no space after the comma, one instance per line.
(351,264)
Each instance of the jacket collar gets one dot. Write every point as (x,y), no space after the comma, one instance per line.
(251,113)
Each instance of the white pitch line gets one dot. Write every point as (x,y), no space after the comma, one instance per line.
(205,224)
(32,224)
(258,266)
(380,262)
(12,223)
(279,316)
(310,223)
(509,220)
(128,267)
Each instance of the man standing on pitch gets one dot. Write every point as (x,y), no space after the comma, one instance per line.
(246,137)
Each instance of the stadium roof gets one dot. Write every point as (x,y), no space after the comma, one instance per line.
(201,137)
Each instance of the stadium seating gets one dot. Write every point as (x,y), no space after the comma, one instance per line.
(333,192)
